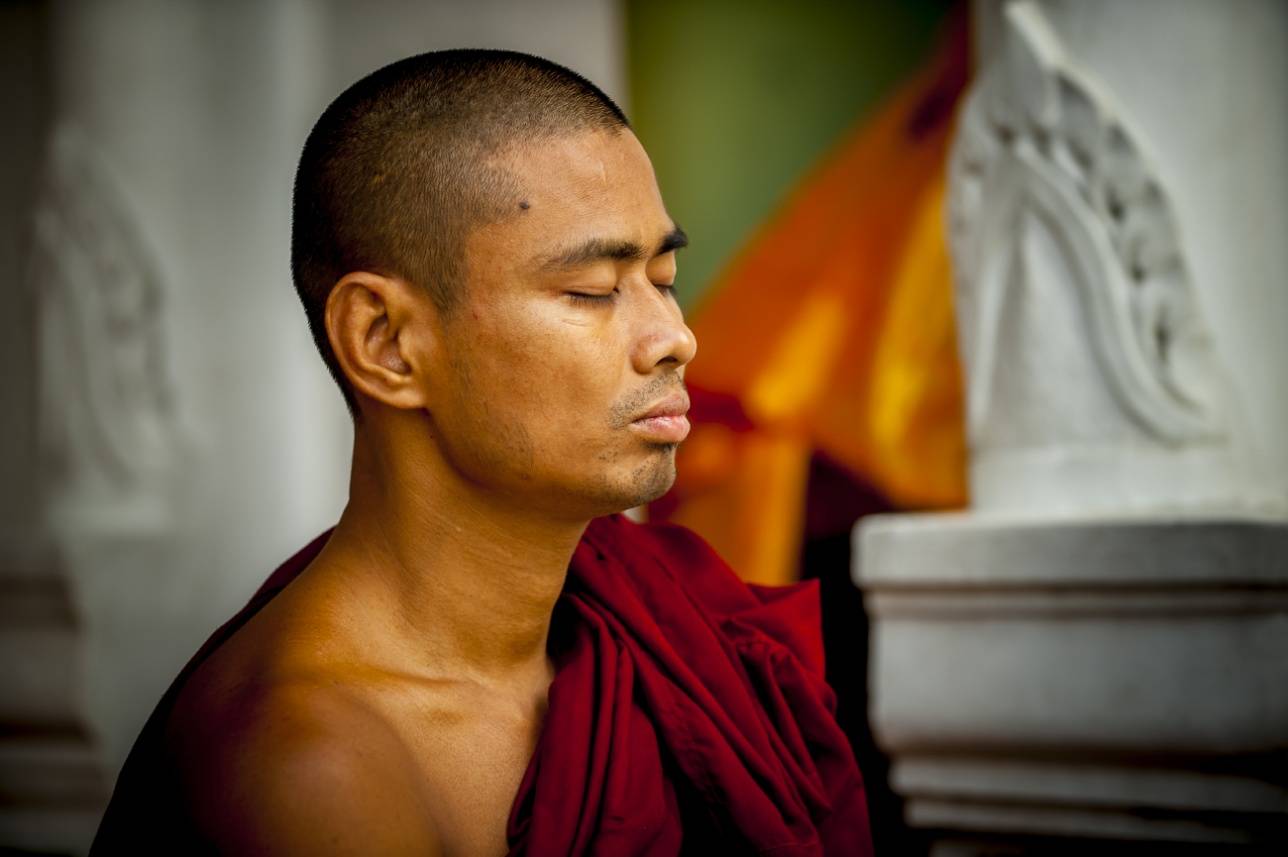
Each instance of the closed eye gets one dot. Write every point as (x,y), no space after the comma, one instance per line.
(588,299)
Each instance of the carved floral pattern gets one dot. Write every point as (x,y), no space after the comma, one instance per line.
(1038,136)
(107,428)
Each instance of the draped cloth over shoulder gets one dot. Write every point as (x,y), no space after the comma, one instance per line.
(689,711)
(688,714)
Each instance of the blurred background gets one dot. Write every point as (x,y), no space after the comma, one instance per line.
(1003,280)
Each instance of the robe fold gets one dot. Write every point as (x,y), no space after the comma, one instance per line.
(688,714)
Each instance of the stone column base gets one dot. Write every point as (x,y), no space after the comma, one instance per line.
(1044,681)
(52,785)
(51,794)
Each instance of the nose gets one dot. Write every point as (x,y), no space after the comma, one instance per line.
(662,338)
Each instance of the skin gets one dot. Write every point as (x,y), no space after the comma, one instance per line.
(390,699)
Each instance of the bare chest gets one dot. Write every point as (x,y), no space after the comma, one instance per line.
(471,759)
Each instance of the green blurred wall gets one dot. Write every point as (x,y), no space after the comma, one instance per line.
(735,101)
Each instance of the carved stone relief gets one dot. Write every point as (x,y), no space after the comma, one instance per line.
(108,431)
(1093,381)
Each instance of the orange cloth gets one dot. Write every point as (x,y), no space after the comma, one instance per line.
(833,330)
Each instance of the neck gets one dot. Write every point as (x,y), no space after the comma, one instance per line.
(472,580)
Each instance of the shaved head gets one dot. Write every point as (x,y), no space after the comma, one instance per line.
(406,162)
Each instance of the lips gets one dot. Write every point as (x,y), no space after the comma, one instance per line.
(665,421)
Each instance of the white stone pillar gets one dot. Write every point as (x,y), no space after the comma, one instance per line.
(1099,646)
(52,781)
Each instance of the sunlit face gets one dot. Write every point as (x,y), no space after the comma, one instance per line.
(568,336)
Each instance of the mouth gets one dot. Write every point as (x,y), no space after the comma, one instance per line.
(665,421)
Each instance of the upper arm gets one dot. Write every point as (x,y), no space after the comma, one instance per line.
(308,773)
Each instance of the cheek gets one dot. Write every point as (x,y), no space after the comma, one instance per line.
(479,429)
(553,380)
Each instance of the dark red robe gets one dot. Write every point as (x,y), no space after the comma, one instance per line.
(688,714)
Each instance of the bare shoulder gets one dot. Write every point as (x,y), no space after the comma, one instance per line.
(297,767)
(279,753)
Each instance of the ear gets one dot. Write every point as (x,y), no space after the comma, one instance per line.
(378,328)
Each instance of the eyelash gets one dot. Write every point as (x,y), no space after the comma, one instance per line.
(579,298)
(600,300)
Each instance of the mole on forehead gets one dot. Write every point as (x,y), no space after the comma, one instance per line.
(524,204)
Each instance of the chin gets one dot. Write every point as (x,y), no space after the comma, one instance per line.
(642,485)
(651,482)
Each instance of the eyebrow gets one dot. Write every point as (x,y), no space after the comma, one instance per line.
(600,249)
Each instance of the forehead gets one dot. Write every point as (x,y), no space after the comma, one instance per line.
(594,184)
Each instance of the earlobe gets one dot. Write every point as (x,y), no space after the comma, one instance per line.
(370,322)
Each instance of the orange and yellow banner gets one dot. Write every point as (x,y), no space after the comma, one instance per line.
(833,331)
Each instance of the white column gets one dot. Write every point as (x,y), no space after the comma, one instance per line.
(51,774)
(1097,647)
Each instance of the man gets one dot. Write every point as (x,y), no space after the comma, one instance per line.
(475,660)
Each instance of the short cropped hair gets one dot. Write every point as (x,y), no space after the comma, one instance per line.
(400,168)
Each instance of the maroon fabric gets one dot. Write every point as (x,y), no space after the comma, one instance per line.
(688,715)
(688,709)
